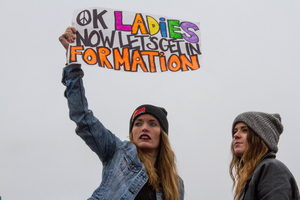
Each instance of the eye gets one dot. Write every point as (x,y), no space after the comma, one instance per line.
(245,130)
(153,124)
(137,124)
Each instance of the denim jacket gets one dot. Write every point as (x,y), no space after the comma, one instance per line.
(123,173)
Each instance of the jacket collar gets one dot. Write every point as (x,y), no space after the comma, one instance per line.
(270,154)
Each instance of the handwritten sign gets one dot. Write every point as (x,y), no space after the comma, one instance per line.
(134,42)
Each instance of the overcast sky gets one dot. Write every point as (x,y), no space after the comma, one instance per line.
(250,63)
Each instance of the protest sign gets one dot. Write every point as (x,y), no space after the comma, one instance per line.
(134,42)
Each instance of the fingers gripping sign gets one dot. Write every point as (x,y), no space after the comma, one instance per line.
(68,37)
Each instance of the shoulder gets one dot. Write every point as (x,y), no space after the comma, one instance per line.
(180,183)
(273,180)
(125,150)
(273,165)
(126,146)
(129,149)
(273,170)
(180,179)
(181,187)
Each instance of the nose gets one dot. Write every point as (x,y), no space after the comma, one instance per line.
(145,127)
(236,135)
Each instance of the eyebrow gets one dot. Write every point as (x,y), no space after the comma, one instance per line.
(241,127)
(151,120)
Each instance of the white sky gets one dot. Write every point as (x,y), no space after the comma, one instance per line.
(250,63)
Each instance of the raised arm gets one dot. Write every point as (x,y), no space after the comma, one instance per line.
(89,128)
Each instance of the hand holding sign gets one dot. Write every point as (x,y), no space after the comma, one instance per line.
(68,37)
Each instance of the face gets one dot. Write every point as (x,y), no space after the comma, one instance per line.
(146,134)
(239,141)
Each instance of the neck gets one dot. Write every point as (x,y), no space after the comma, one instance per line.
(151,157)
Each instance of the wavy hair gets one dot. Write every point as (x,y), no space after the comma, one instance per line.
(241,168)
(164,174)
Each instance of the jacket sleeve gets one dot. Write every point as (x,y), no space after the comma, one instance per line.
(276,182)
(89,128)
(181,188)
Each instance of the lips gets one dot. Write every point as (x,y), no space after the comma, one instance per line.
(144,136)
(237,143)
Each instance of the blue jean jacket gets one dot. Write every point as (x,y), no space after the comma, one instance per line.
(123,173)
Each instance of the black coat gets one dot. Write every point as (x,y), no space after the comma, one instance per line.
(270,180)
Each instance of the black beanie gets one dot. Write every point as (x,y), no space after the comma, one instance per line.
(159,113)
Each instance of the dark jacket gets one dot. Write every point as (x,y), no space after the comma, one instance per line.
(270,180)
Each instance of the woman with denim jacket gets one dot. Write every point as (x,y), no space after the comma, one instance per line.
(143,168)
(254,169)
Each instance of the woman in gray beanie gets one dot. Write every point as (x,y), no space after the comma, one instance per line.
(254,169)
(143,168)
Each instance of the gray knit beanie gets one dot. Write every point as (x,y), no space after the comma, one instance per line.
(267,126)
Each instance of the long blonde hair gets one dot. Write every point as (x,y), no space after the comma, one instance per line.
(164,174)
(241,168)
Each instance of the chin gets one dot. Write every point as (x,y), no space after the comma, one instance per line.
(143,147)
(238,154)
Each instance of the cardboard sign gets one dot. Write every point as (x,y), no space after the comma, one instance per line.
(134,42)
